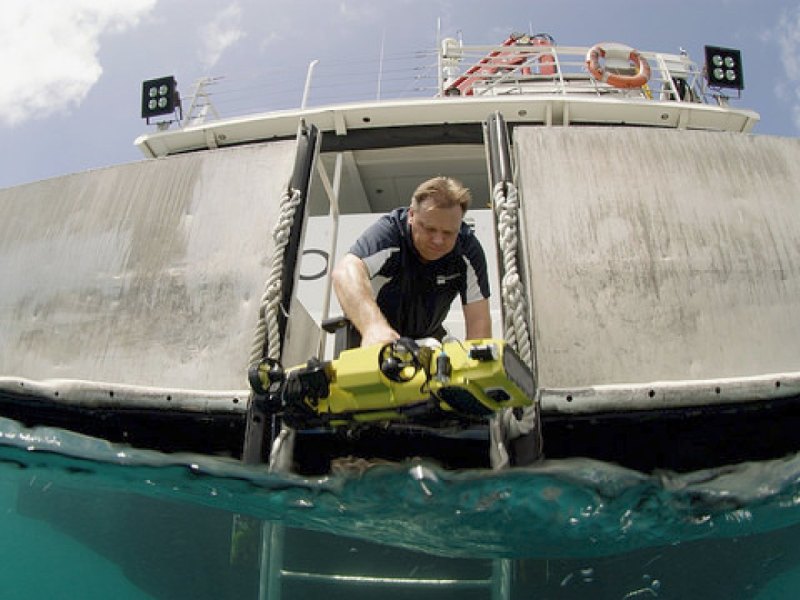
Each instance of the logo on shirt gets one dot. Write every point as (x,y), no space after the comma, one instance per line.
(443,279)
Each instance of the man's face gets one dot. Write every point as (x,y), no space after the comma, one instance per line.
(434,230)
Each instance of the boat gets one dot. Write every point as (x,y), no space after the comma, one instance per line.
(641,240)
(643,250)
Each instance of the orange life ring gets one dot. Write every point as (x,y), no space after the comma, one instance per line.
(641,77)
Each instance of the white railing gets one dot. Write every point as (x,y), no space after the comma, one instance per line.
(550,69)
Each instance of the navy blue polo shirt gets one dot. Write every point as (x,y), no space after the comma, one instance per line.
(415,296)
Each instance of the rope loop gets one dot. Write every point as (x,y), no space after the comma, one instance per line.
(268,327)
(515,305)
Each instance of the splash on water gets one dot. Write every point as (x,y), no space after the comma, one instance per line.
(565,508)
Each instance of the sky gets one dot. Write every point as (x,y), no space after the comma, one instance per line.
(70,93)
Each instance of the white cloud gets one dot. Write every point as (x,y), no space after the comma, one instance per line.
(787,36)
(51,51)
(220,34)
(357,10)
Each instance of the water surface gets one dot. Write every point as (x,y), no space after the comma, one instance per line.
(105,520)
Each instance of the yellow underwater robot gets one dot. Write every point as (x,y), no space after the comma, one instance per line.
(403,380)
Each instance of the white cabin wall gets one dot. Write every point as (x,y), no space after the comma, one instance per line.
(660,255)
(148,274)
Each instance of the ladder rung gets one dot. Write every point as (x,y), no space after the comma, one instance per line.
(404,581)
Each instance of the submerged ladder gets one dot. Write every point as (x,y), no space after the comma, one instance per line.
(274,574)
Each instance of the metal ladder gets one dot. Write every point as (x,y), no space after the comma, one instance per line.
(274,574)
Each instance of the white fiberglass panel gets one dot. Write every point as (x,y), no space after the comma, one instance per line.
(659,255)
(149,273)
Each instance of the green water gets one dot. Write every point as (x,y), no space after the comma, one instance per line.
(82,518)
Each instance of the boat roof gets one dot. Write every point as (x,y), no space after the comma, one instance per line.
(531,83)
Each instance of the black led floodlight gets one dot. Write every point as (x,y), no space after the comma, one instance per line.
(724,68)
(159,97)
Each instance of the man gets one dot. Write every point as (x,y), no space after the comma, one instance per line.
(401,276)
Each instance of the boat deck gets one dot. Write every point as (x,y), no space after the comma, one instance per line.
(528,84)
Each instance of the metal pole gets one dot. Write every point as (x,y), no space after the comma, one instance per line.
(308,82)
(333,197)
(270,584)
(439,58)
(380,65)
(501,579)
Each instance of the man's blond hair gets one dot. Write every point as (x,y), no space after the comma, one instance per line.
(444,192)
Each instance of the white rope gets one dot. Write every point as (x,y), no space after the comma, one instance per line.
(267,328)
(515,302)
(505,426)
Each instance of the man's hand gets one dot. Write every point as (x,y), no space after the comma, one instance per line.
(379,333)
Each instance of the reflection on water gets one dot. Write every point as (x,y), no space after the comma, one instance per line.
(83,518)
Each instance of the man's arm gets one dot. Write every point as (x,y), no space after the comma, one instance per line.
(477,319)
(352,287)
